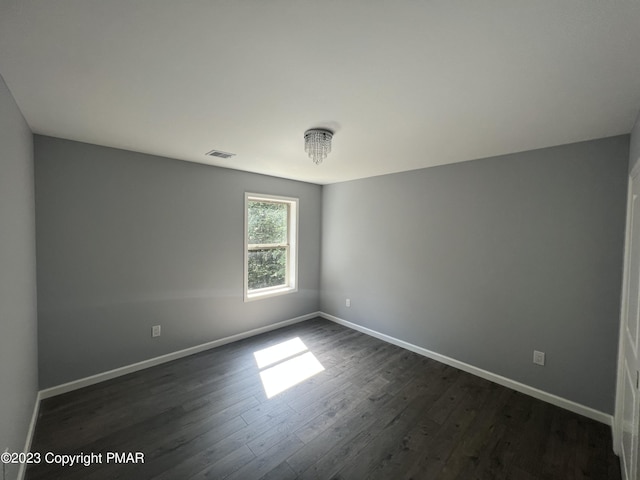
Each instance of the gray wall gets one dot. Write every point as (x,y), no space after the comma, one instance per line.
(485,261)
(126,241)
(634,149)
(18,326)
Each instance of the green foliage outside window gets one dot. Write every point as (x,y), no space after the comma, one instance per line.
(267,268)
(267,232)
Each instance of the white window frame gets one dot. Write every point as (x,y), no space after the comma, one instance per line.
(291,275)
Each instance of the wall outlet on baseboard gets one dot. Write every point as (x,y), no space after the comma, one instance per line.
(348,302)
(538,357)
(156,330)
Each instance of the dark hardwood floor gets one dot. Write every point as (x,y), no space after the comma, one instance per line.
(376,411)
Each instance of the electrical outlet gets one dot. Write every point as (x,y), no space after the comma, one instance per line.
(156,331)
(538,357)
(348,302)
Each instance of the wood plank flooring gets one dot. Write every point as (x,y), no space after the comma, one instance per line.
(376,411)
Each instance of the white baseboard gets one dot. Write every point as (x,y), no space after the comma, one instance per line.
(118,372)
(32,428)
(520,387)
(492,377)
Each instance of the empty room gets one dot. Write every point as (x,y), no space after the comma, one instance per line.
(340,240)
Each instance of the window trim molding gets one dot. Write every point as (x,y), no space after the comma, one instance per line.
(292,260)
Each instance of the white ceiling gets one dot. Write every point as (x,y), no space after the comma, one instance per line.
(405,84)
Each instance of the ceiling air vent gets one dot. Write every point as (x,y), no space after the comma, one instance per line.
(220,154)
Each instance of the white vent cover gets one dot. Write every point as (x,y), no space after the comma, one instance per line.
(218,153)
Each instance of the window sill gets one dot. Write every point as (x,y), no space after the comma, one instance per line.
(268,293)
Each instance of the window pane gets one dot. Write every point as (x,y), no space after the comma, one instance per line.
(267,222)
(267,267)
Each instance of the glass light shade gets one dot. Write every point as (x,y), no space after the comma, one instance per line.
(317,143)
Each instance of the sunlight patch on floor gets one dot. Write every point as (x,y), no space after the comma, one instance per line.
(279,352)
(289,363)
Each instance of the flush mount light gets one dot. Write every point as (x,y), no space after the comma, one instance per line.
(317,143)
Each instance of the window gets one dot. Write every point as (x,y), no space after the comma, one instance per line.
(270,264)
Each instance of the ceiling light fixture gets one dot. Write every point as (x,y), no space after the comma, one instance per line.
(317,143)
